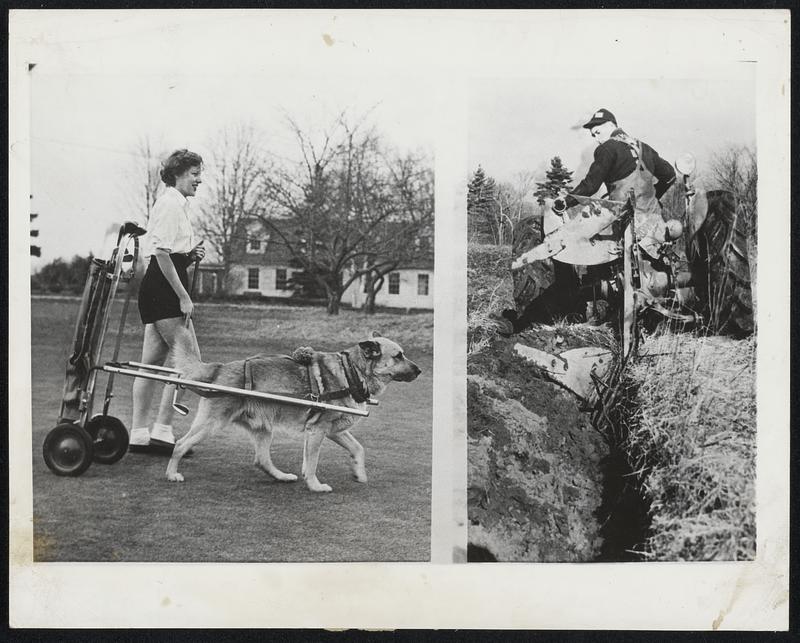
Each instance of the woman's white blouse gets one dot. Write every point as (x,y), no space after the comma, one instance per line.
(169,227)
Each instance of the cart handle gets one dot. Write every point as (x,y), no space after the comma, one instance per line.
(230,390)
(132,228)
(192,288)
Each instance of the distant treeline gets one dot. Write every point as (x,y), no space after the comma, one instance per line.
(62,277)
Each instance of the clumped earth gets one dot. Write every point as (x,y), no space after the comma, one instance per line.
(535,462)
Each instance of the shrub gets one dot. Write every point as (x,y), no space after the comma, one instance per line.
(489,290)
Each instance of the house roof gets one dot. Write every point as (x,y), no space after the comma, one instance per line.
(274,254)
(277,254)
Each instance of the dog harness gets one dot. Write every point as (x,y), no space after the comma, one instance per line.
(356,386)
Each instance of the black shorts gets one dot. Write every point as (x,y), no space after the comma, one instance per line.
(157,299)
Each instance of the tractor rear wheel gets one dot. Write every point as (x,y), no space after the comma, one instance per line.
(718,259)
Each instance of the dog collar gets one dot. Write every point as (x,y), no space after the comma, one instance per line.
(358,389)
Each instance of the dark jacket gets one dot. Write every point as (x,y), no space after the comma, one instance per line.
(614,160)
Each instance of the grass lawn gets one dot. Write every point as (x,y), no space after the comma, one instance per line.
(227,510)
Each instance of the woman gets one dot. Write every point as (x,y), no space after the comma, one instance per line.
(164,302)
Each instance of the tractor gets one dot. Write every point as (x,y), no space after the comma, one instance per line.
(589,264)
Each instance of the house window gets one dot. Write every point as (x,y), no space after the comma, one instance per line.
(255,245)
(280,279)
(252,278)
(422,283)
(394,283)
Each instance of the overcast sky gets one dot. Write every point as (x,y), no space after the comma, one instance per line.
(103,80)
(520,124)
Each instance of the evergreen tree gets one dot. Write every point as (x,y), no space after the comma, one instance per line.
(559,179)
(481,206)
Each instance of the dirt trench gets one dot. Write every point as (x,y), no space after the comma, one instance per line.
(544,486)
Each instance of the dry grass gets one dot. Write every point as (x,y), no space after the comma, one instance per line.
(587,335)
(489,292)
(694,445)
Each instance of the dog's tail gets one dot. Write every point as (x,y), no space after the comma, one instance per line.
(186,358)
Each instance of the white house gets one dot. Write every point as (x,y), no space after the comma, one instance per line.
(262,266)
(407,287)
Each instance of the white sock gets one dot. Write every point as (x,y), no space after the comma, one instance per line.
(139,436)
(162,432)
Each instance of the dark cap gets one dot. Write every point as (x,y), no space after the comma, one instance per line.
(600,116)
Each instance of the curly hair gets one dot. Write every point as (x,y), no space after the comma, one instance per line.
(177,163)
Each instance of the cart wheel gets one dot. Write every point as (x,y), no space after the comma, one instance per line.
(110,438)
(67,450)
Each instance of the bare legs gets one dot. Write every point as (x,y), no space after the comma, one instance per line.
(168,329)
(156,349)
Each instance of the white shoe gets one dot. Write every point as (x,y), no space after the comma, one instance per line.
(162,433)
(139,437)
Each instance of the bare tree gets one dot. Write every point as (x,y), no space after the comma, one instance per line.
(511,205)
(406,236)
(332,208)
(735,169)
(147,186)
(234,175)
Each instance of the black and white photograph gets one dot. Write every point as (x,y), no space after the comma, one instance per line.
(314,314)
(270,240)
(611,329)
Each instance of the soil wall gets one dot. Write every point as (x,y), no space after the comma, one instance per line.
(535,462)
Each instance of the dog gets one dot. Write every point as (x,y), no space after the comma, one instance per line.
(347,378)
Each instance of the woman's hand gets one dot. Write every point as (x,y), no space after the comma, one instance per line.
(197,253)
(187,305)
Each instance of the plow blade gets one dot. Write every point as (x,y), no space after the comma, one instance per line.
(575,369)
(587,239)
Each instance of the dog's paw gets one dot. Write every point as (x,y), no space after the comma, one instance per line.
(321,488)
(175,477)
(286,477)
(360,476)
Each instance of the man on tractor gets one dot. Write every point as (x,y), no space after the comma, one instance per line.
(623,163)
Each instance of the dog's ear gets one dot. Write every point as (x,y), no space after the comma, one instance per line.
(372,350)
(375,333)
